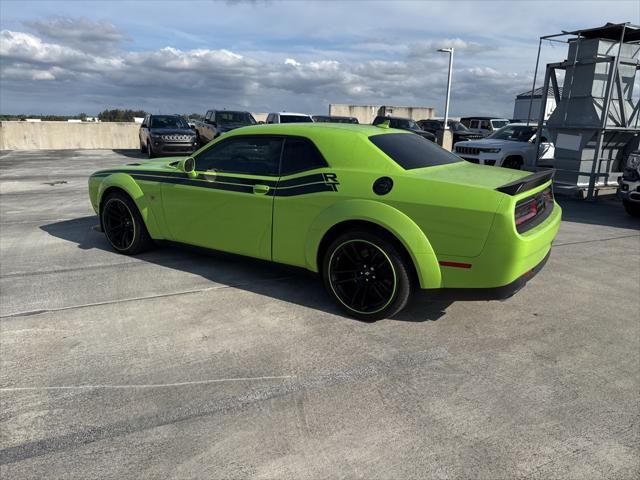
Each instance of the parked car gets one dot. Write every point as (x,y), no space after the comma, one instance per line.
(513,146)
(334,119)
(460,132)
(166,135)
(289,117)
(375,211)
(217,122)
(629,182)
(485,126)
(402,123)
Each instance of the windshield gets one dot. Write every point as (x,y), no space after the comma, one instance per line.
(168,121)
(412,151)
(404,124)
(235,117)
(499,123)
(514,133)
(295,119)
(457,126)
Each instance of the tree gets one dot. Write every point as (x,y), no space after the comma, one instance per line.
(118,115)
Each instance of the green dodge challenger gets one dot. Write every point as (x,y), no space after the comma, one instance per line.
(376,211)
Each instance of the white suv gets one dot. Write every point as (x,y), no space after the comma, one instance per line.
(289,117)
(513,146)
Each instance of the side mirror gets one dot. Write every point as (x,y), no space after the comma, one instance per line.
(144,125)
(188,166)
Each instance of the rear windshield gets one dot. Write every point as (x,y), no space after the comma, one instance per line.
(235,117)
(295,119)
(412,151)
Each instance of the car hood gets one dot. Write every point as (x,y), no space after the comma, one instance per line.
(171,131)
(470,174)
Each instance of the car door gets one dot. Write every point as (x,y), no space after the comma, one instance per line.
(144,131)
(307,187)
(547,149)
(207,130)
(228,205)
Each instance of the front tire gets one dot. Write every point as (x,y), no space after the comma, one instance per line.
(367,275)
(143,149)
(123,225)
(632,208)
(150,152)
(514,163)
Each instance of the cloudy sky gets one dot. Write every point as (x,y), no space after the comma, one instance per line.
(269,55)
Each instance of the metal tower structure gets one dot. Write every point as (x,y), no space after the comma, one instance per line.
(596,113)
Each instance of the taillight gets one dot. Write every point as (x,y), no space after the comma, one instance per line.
(526,211)
(533,210)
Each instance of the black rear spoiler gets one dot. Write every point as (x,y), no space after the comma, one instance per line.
(527,183)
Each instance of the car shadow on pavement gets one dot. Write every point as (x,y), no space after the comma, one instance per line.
(131,153)
(289,284)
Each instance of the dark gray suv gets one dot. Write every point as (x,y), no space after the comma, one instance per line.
(166,135)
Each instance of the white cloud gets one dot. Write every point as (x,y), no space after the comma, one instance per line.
(80,33)
(173,79)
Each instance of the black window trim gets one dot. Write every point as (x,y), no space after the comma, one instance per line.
(284,138)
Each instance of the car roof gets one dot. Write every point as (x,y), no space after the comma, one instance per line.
(483,118)
(308,129)
(291,113)
(522,124)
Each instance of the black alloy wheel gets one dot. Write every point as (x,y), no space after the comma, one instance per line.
(367,275)
(123,226)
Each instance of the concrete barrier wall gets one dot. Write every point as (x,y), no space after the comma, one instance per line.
(366,113)
(68,136)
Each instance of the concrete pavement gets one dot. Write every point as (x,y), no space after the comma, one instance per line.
(174,364)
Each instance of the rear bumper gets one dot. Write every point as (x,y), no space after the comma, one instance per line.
(495,293)
(507,255)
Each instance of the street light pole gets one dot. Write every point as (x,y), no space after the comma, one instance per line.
(446,105)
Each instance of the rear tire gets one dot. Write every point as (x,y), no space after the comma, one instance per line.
(123,225)
(632,208)
(366,275)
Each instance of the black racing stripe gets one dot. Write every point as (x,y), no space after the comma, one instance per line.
(197,183)
(306,184)
(238,180)
(304,189)
(313,178)
(142,172)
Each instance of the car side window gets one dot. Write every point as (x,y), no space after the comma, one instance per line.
(300,154)
(270,118)
(485,125)
(208,115)
(251,155)
(475,124)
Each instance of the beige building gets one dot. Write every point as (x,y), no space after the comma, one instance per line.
(366,113)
